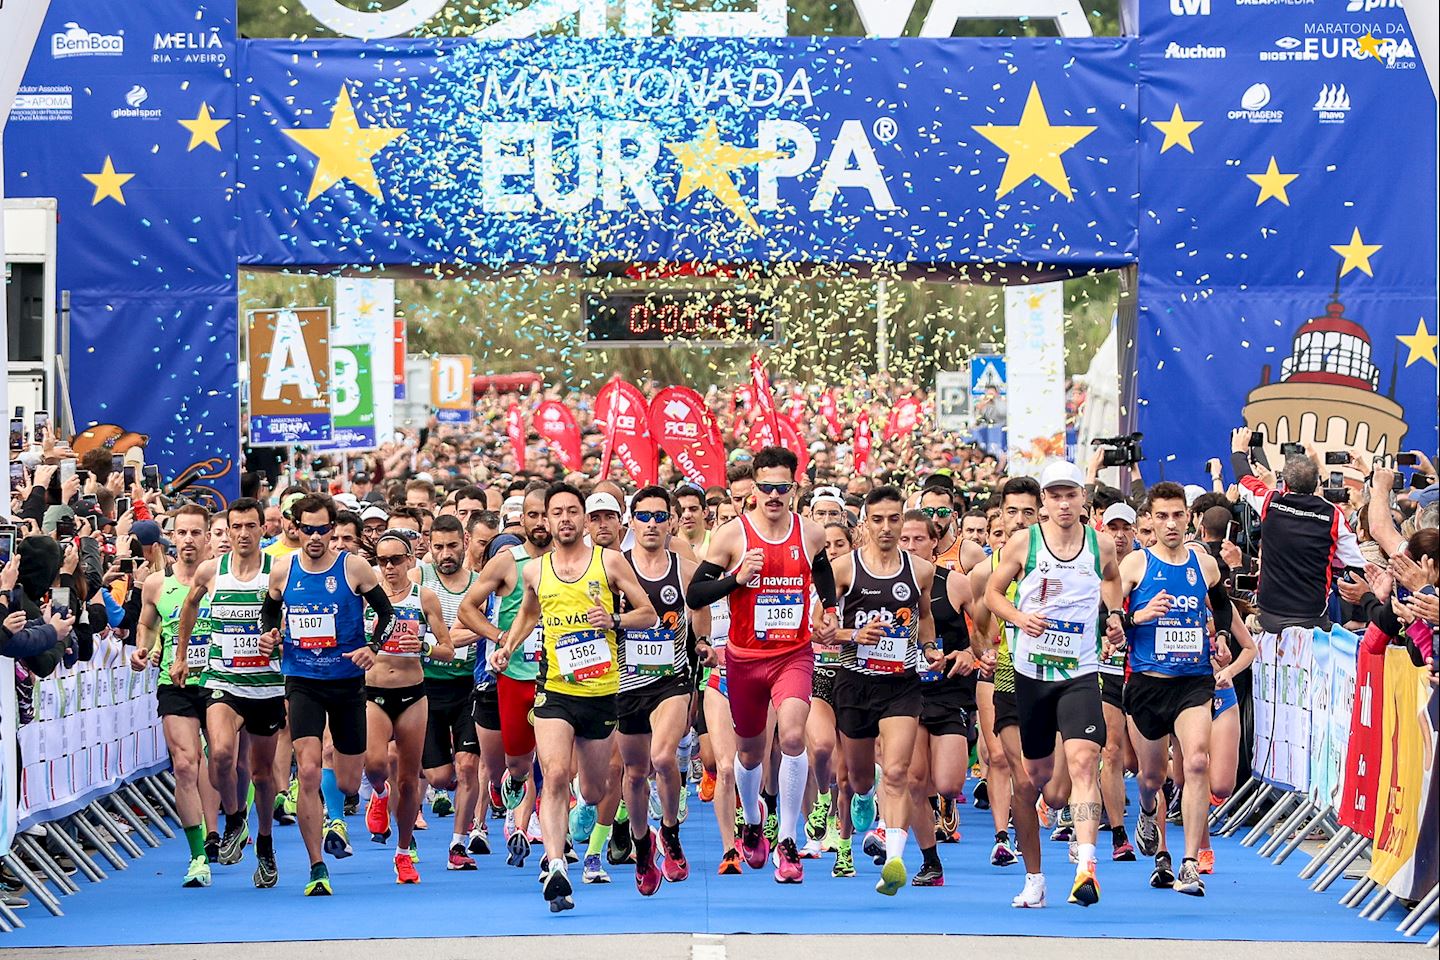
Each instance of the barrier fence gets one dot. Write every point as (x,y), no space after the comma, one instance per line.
(1344,749)
(83,778)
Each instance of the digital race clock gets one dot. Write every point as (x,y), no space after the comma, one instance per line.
(700,317)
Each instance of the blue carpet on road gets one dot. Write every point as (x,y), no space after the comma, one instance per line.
(1247,899)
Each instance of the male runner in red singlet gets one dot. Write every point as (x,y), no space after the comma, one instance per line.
(765,562)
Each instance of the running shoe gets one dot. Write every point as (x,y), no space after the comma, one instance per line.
(754,845)
(656,813)
(267,874)
(1001,855)
(198,873)
(1086,890)
(414,850)
(730,864)
(420,821)
(812,850)
(1207,861)
(873,846)
(1064,826)
(818,818)
(582,822)
(862,811)
(517,849)
(509,824)
(1074,851)
(479,840)
(319,883)
(533,831)
(844,863)
(352,804)
(1032,895)
(232,845)
(497,804)
(212,847)
(1189,882)
(1125,853)
(789,869)
(772,828)
(948,830)
(593,871)
(832,833)
(1172,809)
(621,847)
(1147,835)
(707,787)
(982,797)
(512,791)
(557,890)
(292,796)
(377,817)
(675,867)
(1164,873)
(458,859)
(570,855)
(893,876)
(647,874)
(697,769)
(929,876)
(442,806)
(283,815)
(405,871)
(337,839)
(1043,813)
(682,808)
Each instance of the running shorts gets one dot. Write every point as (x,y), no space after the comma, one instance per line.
(1225,699)
(1070,708)
(516,698)
(1112,690)
(394,701)
(450,729)
(1006,713)
(173,701)
(862,701)
(259,718)
(340,702)
(1155,702)
(592,718)
(633,708)
(757,683)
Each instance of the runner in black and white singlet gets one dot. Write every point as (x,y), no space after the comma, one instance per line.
(656,684)
(1063,569)
(885,626)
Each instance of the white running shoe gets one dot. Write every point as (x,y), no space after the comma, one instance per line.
(1033,895)
(532,832)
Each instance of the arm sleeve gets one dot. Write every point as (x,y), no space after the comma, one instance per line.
(709,585)
(1220,606)
(1240,463)
(270,613)
(114,613)
(824,579)
(384,615)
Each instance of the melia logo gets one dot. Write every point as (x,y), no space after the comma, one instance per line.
(76,41)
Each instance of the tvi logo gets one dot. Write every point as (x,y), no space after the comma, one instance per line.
(1190,8)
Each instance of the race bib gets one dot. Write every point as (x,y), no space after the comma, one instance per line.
(827,656)
(533,649)
(583,655)
(887,654)
(312,631)
(650,653)
(406,627)
(1059,645)
(197,655)
(922,667)
(778,616)
(1178,641)
(240,647)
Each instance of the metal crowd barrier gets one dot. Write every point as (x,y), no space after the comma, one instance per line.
(143,805)
(1289,818)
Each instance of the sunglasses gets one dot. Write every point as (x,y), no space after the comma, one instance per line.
(394,561)
(315,529)
(775,488)
(941,512)
(652,516)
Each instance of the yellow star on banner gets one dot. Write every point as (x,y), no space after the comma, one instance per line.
(343,149)
(1272,183)
(203,128)
(1034,147)
(108,183)
(1357,254)
(1177,130)
(1422,343)
(707,163)
(1369,44)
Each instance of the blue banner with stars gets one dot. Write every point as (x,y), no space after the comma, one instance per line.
(564,150)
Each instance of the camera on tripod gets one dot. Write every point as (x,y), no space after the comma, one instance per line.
(1120,451)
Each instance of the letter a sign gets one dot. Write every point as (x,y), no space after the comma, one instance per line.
(289,359)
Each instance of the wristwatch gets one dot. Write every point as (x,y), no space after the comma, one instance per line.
(615,621)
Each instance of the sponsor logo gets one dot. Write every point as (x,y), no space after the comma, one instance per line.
(1252,106)
(1189,8)
(43,102)
(1199,51)
(135,108)
(1365,6)
(197,46)
(1342,41)
(681,428)
(76,41)
(668,593)
(330,584)
(1190,576)
(1332,104)
(1274,3)
(901,592)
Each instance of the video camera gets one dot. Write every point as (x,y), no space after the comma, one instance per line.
(1120,451)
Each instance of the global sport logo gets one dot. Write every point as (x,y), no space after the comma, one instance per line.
(135,108)
(1253,105)
(76,41)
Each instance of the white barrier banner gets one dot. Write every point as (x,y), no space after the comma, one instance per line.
(1283,676)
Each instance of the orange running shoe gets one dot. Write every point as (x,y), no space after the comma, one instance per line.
(377,817)
(1207,861)
(405,871)
(730,864)
(707,787)
(1086,891)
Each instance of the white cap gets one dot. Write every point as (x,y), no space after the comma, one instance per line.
(1193,492)
(1118,511)
(817,446)
(827,494)
(599,502)
(374,512)
(347,500)
(513,508)
(1061,473)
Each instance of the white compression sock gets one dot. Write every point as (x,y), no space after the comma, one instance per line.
(793,773)
(895,843)
(747,781)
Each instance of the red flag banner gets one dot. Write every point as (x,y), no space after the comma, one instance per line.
(796,408)
(904,418)
(791,440)
(830,410)
(620,409)
(764,402)
(681,424)
(556,424)
(515,430)
(860,457)
(1360,789)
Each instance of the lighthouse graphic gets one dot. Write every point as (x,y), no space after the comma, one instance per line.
(1328,392)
